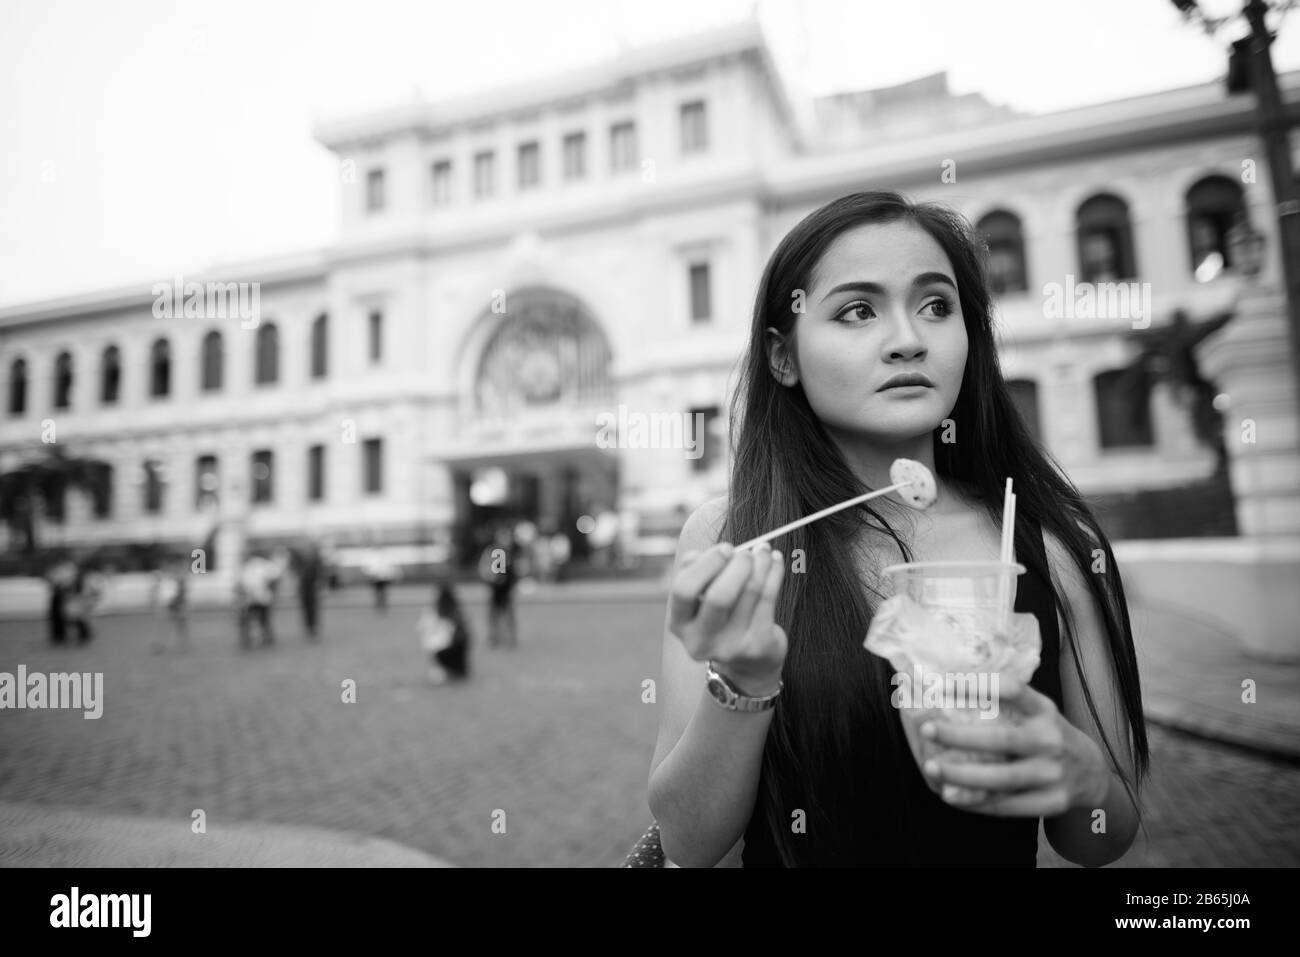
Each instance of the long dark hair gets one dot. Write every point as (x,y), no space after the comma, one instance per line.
(786,466)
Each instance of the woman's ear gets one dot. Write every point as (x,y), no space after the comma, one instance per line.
(780,358)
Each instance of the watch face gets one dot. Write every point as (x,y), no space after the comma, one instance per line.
(719,689)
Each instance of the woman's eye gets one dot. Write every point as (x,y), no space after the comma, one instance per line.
(856,310)
(943,306)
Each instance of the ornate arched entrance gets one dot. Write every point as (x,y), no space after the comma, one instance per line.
(526,422)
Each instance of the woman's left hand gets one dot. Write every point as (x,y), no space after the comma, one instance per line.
(1051,765)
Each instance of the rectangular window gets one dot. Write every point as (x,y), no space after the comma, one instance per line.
(622,147)
(316,473)
(575,156)
(101,490)
(484,174)
(530,165)
(706,439)
(206,482)
(375,336)
(701,306)
(153,487)
(375,190)
(373,480)
(442,183)
(261,484)
(694,128)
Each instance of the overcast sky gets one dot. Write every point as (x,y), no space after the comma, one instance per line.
(139,138)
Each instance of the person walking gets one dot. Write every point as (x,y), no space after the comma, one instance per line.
(311,571)
(498,567)
(171,593)
(381,572)
(87,591)
(61,576)
(255,593)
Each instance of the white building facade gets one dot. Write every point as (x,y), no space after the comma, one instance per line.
(515,268)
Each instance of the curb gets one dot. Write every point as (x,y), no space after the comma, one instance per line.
(1278,746)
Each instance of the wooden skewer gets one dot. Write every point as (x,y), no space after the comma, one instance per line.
(808,519)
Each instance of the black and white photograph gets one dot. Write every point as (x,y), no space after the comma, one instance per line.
(591,434)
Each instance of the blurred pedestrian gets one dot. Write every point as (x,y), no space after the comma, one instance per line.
(87,591)
(498,568)
(255,593)
(381,571)
(61,576)
(445,637)
(310,572)
(171,594)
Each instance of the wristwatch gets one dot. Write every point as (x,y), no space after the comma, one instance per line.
(727,695)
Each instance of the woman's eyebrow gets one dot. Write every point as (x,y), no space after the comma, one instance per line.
(923,279)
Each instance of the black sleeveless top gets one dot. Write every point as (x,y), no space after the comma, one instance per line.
(924,831)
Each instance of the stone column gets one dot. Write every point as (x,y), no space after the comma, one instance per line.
(1250,361)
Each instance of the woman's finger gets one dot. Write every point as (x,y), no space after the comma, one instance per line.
(718,600)
(1041,802)
(765,610)
(1001,776)
(1024,697)
(753,589)
(691,580)
(993,735)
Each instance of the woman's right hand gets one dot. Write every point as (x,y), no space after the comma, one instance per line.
(722,606)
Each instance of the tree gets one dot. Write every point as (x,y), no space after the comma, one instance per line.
(47,479)
(1168,354)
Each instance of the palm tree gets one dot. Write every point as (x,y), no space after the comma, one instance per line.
(1168,354)
(46,479)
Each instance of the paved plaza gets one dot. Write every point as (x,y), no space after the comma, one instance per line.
(550,741)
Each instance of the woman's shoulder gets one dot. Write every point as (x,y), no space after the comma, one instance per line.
(704,525)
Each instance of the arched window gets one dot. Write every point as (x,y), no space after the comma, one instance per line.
(1123,417)
(1024,395)
(547,350)
(160,368)
(212,362)
(320,347)
(266,364)
(110,375)
(1006,245)
(18,387)
(1214,205)
(63,380)
(1105,240)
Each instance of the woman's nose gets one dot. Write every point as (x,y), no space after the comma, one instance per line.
(903,340)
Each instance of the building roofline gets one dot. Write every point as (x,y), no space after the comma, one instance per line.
(279,270)
(604,78)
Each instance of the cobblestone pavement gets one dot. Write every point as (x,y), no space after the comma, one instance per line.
(552,739)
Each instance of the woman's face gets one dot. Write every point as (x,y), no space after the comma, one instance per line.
(883,301)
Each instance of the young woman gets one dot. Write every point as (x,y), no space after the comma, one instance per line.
(810,764)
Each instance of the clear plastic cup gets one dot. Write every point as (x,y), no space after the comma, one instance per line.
(973,595)
(957,586)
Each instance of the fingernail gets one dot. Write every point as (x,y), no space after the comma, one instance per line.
(726,549)
(776,555)
(928,730)
(952,793)
(932,768)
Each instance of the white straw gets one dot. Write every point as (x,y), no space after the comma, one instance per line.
(1005,554)
(791,526)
